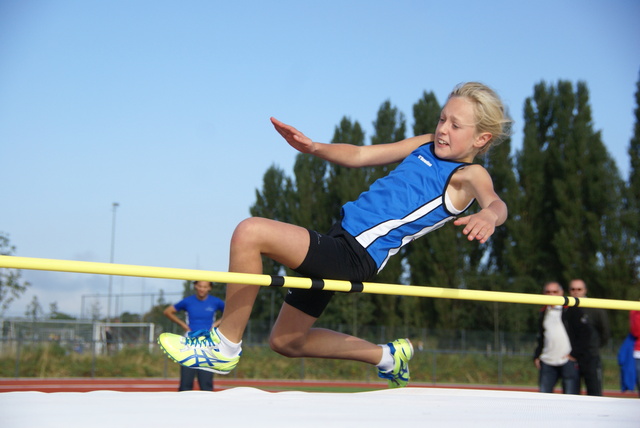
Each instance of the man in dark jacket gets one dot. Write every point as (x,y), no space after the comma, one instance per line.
(597,323)
(562,340)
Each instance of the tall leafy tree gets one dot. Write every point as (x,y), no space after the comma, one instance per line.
(499,163)
(434,259)
(34,310)
(344,185)
(620,275)
(634,153)
(55,314)
(537,222)
(570,215)
(389,126)
(570,185)
(530,243)
(156,316)
(567,221)
(310,202)
(274,202)
(585,188)
(632,218)
(495,265)
(588,214)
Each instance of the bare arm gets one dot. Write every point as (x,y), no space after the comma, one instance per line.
(475,182)
(350,155)
(170,312)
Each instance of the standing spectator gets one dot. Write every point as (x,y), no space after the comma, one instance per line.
(553,355)
(201,308)
(597,323)
(109,340)
(634,329)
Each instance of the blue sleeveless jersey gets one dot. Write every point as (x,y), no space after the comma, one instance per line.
(200,313)
(406,204)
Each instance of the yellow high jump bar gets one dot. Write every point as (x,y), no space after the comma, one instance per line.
(14,262)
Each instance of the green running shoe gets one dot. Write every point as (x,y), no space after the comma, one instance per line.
(402,352)
(199,350)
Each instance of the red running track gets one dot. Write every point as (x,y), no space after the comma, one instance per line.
(171,385)
(163,385)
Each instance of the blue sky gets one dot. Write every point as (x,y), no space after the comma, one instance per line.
(164,106)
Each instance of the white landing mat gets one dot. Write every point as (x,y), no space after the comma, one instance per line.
(244,407)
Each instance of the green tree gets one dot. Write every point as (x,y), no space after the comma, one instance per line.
(426,113)
(570,215)
(620,274)
(389,126)
(273,202)
(589,192)
(435,259)
(275,198)
(634,153)
(535,222)
(632,212)
(495,266)
(34,310)
(11,284)
(569,182)
(344,185)
(156,316)
(310,207)
(569,222)
(130,317)
(494,255)
(55,314)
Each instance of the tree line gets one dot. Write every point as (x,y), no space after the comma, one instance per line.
(571,215)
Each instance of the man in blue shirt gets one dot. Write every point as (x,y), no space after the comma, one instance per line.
(201,308)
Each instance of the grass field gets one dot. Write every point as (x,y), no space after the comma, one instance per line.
(430,368)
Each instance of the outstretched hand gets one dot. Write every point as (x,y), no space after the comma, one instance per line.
(295,138)
(479,226)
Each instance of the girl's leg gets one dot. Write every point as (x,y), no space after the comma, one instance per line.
(253,238)
(293,336)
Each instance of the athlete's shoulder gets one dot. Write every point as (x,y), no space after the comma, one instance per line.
(471,175)
(472,171)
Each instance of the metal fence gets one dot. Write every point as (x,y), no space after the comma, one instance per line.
(100,338)
(75,334)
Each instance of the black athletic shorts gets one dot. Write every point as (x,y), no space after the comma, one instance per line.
(336,255)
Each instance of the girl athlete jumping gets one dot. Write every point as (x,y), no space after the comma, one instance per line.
(435,183)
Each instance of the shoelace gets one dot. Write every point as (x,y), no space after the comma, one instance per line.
(199,338)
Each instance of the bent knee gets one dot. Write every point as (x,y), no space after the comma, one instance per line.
(291,348)
(246,230)
(247,226)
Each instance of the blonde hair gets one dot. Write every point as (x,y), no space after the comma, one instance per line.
(490,113)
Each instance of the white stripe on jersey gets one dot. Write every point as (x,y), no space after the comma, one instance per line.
(367,237)
(407,239)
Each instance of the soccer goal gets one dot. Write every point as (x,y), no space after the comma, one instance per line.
(112,337)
